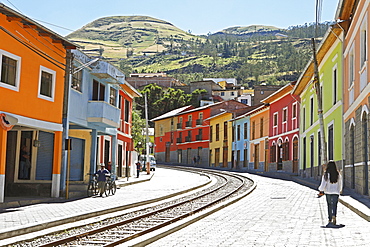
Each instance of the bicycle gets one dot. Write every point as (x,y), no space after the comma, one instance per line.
(111,186)
(92,188)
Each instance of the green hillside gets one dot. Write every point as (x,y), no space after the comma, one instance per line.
(118,35)
(251,54)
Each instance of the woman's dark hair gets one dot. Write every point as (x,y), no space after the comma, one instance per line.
(332,170)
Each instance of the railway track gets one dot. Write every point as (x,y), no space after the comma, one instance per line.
(126,227)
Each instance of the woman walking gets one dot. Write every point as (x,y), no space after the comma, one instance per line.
(331,185)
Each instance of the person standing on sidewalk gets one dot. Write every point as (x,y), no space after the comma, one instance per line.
(331,185)
(102,178)
(138,168)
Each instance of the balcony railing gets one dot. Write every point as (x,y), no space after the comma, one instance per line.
(199,121)
(198,137)
(187,138)
(179,126)
(103,114)
(179,140)
(188,124)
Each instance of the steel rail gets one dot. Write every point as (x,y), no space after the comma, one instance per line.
(162,223)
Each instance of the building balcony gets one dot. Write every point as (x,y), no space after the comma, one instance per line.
(199,121)
(103,114)
(179,126)
(188,124)
(198,137)
(107,71)
(179,140)
(187,138)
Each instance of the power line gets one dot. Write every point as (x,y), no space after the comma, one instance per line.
(51,24)
(14,6)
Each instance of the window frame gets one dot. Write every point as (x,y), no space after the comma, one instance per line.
(18,70)
(113,96)
(335,84)
(53,80)
(77,77)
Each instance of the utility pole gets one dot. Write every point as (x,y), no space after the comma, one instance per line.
(316,82)
(147,137)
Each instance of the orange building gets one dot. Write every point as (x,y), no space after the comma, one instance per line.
(32,74)
(259,137)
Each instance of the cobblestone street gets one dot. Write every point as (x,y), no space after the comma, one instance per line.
(277,213)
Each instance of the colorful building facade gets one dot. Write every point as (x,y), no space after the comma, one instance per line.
(329,58)
(283,130)
(259,138)
(356,93)
(33,68)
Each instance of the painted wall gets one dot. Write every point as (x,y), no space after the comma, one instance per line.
(24,100)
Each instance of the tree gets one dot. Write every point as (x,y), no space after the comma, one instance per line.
(138,124)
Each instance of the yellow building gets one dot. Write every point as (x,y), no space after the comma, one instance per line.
(220,144)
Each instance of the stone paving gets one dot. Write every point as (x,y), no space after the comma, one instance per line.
(276,213)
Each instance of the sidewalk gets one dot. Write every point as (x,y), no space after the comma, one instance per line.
(357,203)
(47,213)
(12,202)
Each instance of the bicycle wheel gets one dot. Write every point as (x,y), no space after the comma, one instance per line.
(90,189)
(113,188)
(96,190)
(106,189)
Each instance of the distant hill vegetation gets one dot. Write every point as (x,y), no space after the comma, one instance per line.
(251,54)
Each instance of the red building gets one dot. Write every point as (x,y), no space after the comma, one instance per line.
(283,129)
(182,135)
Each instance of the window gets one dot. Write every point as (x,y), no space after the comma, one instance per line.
(275,124)
(98,91)
(311,110)
(77,80)
(261,127)
(225,130)
(46,83)
(217,132)
(120,101)
(127,111)
(211,134)
(238,133)
(285,114)
(351,69)
(275,119)
(253,129)
(294,116)
(245,130)
(232,93)
(9,70)
(222,93)
(335,85)
(363,45)
(331,142)
(112,96)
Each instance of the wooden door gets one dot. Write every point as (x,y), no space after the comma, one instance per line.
(256,156)
(295,155)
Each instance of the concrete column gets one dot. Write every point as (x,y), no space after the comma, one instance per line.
(114,153)
(94,144)
(57,164)
(3,138)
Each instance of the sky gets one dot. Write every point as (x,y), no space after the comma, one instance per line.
(197,16)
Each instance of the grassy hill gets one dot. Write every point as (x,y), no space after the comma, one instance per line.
(251,54)
(117,35)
